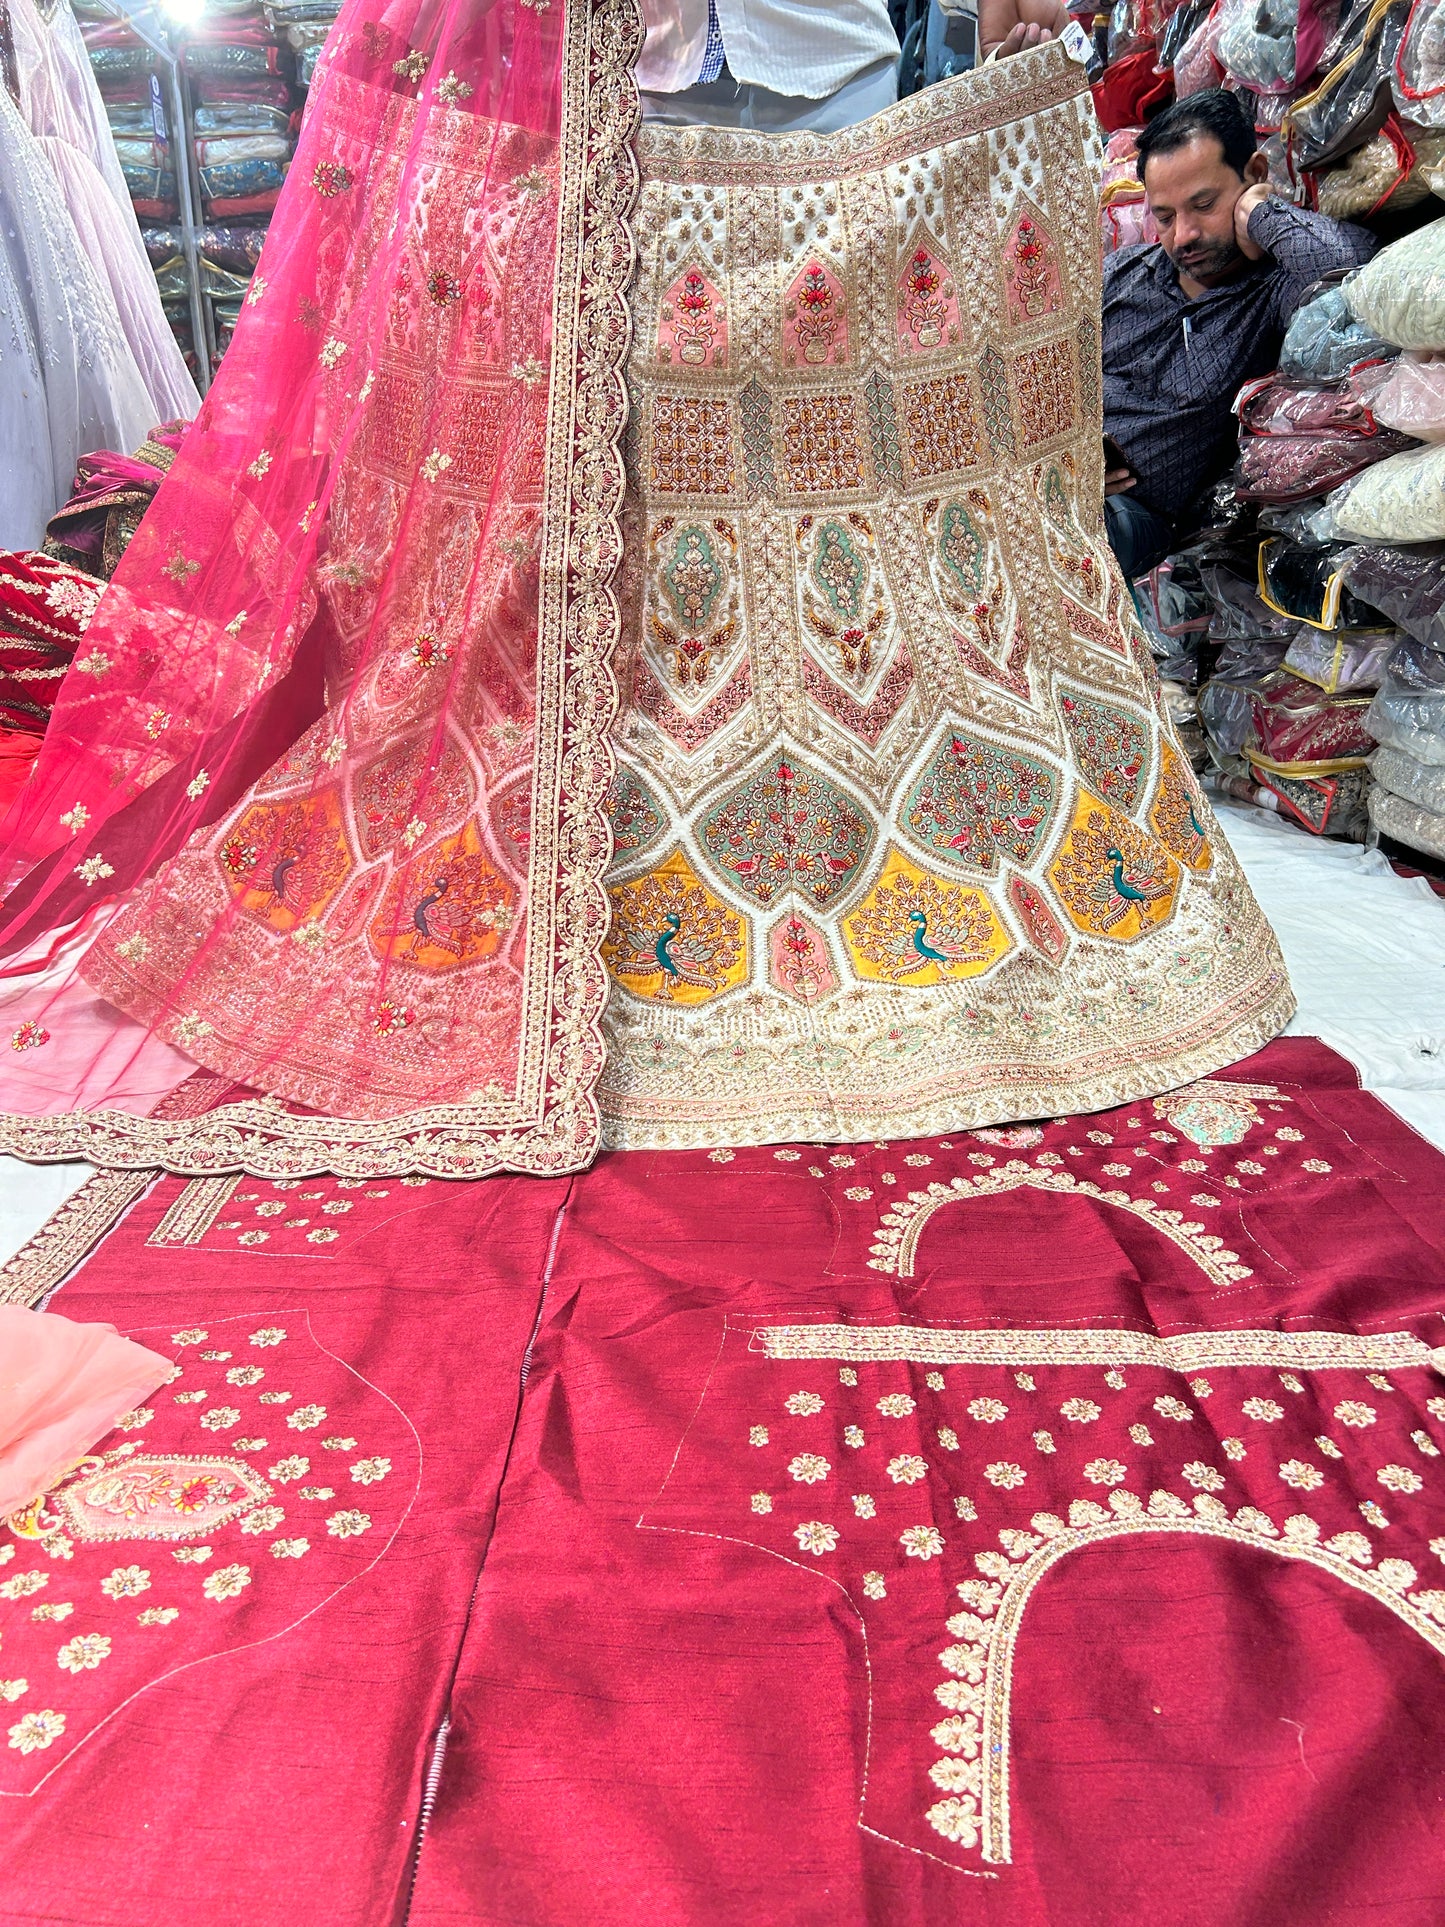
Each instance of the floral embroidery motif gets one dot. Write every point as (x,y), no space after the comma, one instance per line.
(975,799)
(30,1036)
(153,1497)
(1110,745)
(693,323)
(1212,1112)
(815,319)
(692,616)
(1031,271)
(927,300)
(787,828)
(800,963)
(330,177)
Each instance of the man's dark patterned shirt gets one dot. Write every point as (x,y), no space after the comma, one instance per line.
(1172,366)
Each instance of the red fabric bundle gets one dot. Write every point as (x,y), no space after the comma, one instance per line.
(45,606)
(110,494)
(1298,443)
(1297,728)
(1131,90)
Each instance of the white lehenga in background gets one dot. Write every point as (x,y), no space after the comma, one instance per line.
(61,103)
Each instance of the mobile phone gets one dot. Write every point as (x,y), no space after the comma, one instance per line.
(1114,456)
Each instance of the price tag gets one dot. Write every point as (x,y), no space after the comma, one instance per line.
(1077,44)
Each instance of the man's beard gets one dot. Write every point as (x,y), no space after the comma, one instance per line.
(1207,260)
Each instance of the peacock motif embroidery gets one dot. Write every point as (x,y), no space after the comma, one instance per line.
(672,940)
(1112,879)
(918,929)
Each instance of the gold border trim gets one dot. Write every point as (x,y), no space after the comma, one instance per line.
(194,1211)
(900,1228)
(1188,1352)
(981,1820)
(69,1234)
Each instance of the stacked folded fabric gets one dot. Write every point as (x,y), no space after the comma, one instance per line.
(247,68)
(1344,444)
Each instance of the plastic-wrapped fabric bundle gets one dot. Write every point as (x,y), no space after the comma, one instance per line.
(1400,295)
(242,117)
(1225,709)
(1339,664)
(1124,216)
(1372,177)
(233,149)
(1302,442)
(1407,822)
(1404,775)
(1412,397)
(242,187)
(1295,729)
(1309,585)
(1332,805)
(1263,44)
(1414,665)
(1324,340)
(1409,719)
(1401,499)
(1352,100)
(1195,65)
(1419,77)
(1310,525)
(1299,468)
(1407,586)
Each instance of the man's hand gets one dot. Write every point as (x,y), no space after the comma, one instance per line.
(1249,200)
(1009,26)
(1116,480)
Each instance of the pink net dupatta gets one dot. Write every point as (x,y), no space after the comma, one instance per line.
(324,789)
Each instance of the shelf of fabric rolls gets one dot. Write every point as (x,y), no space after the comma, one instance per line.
(205,102)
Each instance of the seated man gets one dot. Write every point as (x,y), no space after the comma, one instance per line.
(1188,322)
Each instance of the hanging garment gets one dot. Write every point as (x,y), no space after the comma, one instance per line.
(68,380)
(62,105)
(903,835)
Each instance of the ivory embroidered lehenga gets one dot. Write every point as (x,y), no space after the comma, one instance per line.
(429,800)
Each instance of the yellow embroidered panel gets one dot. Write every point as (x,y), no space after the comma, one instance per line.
(902,839)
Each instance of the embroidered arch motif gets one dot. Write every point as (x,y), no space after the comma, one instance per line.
(896,1245)
(974,1813)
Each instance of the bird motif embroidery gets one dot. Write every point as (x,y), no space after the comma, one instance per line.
(1127,888)
(671,940)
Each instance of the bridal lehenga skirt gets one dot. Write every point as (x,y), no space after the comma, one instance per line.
(903,839)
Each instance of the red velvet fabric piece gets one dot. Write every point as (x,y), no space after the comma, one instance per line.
(665,1704)
(1132,90)
(667,1708)
(259,1758)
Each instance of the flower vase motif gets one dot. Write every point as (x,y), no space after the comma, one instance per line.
(927,301)
(798,961)
(815,318)
(1031,270)
(693,323)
